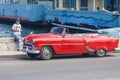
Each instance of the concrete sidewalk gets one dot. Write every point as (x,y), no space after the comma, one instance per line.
(11,53)
(8,47)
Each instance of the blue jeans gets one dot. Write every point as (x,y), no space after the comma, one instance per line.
(18,40)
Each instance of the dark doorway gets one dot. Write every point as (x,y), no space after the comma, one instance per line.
(112,2)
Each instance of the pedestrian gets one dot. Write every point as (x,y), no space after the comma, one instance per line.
(115,11)
(98,9)
(16,28)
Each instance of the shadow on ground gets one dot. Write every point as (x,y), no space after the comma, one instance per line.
(61,57)
(56,57)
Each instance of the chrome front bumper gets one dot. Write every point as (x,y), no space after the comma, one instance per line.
(30,49)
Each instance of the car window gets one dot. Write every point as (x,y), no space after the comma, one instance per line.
(57,30)
(64,30)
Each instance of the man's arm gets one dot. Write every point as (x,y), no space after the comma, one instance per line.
(14,30)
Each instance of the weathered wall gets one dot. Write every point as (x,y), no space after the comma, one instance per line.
(7,44)
(35,12)
(97,18)
(32,12)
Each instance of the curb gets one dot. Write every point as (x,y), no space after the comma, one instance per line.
(11,53)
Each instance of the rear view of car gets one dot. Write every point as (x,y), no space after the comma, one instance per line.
(99,45)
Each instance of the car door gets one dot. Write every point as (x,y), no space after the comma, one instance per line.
(73,44)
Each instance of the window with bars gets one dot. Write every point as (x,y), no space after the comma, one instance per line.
(15,1)
(117,2)
(45,0)
(72,4)
(31,1)
(69,4)
(65,3)
(84,4)
(57,3)
(2,1)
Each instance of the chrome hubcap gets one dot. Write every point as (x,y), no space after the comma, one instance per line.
(101,52)
(46,53)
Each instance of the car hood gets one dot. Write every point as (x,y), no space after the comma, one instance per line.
(32,37)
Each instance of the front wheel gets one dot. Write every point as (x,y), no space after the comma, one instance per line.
(101,53)
(46,53)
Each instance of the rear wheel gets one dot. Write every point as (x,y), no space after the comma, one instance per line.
(101,53)
(46,53)
(33,56)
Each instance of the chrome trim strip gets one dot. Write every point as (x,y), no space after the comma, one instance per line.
(91,51)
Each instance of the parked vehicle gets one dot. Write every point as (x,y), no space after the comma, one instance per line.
(63,41)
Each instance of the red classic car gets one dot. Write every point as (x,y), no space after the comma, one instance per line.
(62,41)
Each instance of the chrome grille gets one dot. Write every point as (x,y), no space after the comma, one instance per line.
(28,46)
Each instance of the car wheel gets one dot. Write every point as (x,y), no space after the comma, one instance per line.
(46,53)
(101,53)
(33,56)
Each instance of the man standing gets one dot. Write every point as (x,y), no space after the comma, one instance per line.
(16,28)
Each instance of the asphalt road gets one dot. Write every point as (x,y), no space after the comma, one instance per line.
(21,67)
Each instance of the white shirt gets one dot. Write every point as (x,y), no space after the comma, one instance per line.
(17,27)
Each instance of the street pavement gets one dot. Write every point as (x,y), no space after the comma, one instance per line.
(15,52)
(21,67)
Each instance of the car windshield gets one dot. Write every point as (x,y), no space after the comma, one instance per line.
(57,30)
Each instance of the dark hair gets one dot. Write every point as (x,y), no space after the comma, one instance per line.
(17,19)
(98,8)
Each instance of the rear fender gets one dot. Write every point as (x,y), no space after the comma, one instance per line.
(92,51)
